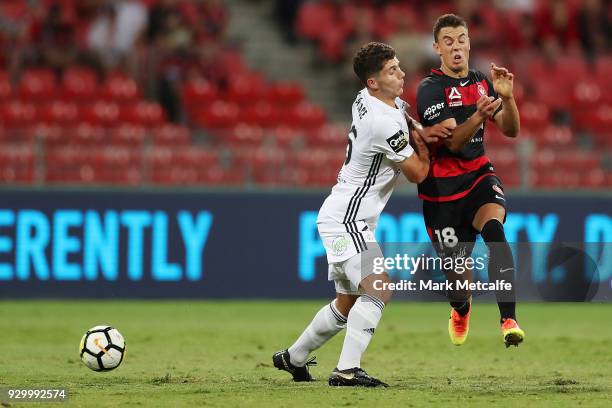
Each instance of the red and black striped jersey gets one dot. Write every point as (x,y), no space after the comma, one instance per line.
(440,97)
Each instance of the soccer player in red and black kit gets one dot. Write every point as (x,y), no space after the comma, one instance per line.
(462,196)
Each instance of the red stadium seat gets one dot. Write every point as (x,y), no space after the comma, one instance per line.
(171,135)
(261,114)
(16,114)
(332,135)
(58,112)
(244,135)
(16,155)
(120,89)
(116,156)
(127,135)
(586,94)
(285,136)
(197,93)
(6,90)
(185,165)
(555,137)
(83,133)
(313,19)
(305,116)
(79,84)
(332,43)
(50,134)
(534,115)
(598,120)
(218,115)
(495,137)
(552,95)
(37,85)
(245,89)
(148,114)
(101,114)
(285,93)
(593,178)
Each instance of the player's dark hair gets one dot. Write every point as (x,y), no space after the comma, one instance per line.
(447,20)
(370,59)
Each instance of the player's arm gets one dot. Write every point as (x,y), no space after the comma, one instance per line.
(463,133)
(432,109)
(410,154)
(508,119)
(416,166)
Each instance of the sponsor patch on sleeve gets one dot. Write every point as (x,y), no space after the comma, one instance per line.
(433,111)
(398,141)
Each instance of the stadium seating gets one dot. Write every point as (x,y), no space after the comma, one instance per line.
(78,125)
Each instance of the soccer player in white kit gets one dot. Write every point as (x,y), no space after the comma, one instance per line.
(378,151)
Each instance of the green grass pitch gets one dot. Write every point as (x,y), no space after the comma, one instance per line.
(196,353)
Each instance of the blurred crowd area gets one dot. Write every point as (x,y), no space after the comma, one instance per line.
(137,92)
(157,42)
(552,28)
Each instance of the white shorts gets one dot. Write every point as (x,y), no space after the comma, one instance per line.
(343,241)
(348,274)
(350,251)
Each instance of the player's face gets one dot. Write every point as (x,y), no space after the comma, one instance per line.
(390,79)
(453,47)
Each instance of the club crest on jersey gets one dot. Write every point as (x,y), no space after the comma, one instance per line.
(497,189)
(398,141)
(339,245)
(481,90)
(454,97)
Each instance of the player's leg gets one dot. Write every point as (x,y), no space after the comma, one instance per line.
(327,322)
(489,221)
(452,238)
(363,319)
(460,299)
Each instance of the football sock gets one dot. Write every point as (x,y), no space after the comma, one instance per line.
(461,307)
(327,322)
(501,266)
(361,324)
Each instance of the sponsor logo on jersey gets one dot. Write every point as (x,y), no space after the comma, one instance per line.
(398,141)
(497,189)
(454,97)
(433,111)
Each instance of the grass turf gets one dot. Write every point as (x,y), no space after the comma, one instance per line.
(219,354)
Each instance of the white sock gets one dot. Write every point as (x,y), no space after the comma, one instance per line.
(327,322)
(362,321)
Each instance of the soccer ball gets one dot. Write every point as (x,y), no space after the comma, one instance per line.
(102,348)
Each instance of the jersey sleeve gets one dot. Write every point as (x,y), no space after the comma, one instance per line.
(390,139)
(431,104)
(493,94)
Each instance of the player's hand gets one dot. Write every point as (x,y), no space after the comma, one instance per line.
(503,81)
(428,134)
(486,106)
(434,133)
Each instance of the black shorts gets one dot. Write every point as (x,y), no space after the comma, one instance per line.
(450,223)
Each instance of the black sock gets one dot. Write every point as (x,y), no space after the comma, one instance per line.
(461,307)
(501,266)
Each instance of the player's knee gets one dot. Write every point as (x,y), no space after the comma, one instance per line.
(344,303)
(376,285)
(493,231)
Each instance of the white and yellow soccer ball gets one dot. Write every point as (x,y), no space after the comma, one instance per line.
(102,348)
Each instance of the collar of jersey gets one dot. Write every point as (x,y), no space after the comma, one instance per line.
(381,103)
(439,72)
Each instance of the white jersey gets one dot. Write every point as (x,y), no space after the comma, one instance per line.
(378,141)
